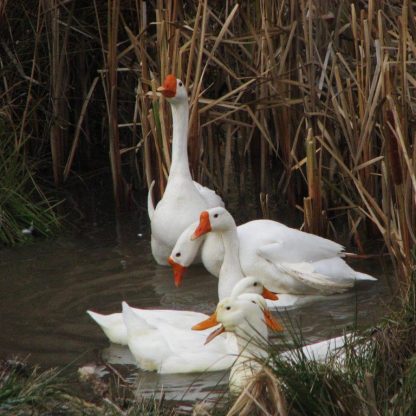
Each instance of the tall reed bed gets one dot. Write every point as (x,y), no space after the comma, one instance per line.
(312,102)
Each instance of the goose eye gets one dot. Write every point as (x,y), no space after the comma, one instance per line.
(228,308)
(178,254)
(255,284)
(215,215)
(254,302)
(180,83)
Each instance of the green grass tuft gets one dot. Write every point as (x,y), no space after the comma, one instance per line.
(26,390)
(22,203)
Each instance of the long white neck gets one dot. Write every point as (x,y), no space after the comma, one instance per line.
(230,272)
(251,336)
(180,164)
(249,341)
(184,244)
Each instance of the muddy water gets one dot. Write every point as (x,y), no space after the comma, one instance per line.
(46,287)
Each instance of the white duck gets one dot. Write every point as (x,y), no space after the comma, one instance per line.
(285,259)
(168,349)
(322,350)
(183,199)
(114,328)
(172,348)
(248,322)
(246,316)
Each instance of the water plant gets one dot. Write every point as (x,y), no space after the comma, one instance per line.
(24,208)
(28,390)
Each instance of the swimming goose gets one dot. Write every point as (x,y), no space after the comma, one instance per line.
(183,199)
(248,322)
(246,317)
(212,256)
(114,328)
(285,259)
(168,349)
(171,348)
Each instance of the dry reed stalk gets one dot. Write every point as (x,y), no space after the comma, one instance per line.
(142,102)
(111,58)
(264,205)
(395,163)
(372,403)
(227,161)
(163,41)
(263,395)
(3,6)
(193,134)
(155,128)
(192,46)
(59,83)
(74,146)
(144,108)
(28,102)
(313,203)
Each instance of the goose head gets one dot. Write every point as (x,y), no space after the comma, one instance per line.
(178,270)
(183,254)
(173,89)
(245,315)
(252,285)
(214,219)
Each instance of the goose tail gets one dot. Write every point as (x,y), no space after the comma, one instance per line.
(133,322)
(101,320)
(364,276)
(112,325)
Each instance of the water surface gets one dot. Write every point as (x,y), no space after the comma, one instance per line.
(46,287)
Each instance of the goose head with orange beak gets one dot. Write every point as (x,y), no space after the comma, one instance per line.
(214,219)
(184,253)
(173,89)
(246,315)
(247,318)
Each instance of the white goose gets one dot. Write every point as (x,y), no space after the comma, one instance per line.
(285,259)
(322,350)
(167,349)
(172,348)
(185,251)
(114,327)
(212,256)
(246,317)
(183,199)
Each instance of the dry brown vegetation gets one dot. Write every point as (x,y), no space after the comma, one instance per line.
(312,102)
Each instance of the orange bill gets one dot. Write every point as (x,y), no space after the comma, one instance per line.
(178,271)
(168,89)
(208,323)
(214,334)
(204,226)
(269,295)
(271,322)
